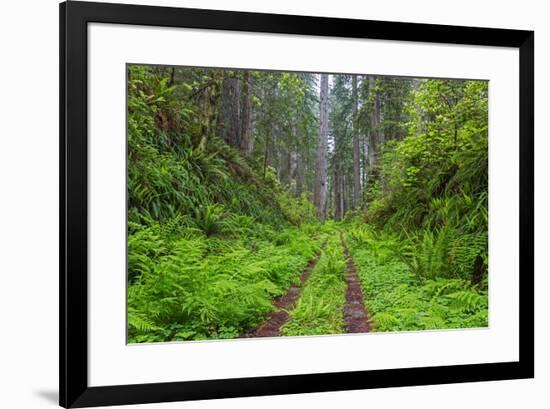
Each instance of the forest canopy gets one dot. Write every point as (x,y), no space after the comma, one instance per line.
(255,194)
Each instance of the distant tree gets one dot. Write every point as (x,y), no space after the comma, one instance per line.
(356,147)
(320,193)
(245,144)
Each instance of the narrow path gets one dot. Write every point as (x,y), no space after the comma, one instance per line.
(355,314)
(272,326)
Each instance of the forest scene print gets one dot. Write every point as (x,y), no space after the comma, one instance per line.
(271,203)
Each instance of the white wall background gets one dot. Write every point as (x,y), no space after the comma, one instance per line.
(29,191)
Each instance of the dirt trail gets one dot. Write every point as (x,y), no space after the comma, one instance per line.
(272,326)
(355,313)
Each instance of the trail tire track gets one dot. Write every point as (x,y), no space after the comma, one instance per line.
(272,326)
(355,313)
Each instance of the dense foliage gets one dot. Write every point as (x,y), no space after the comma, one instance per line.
(399,299)
(195,287)
(208,246)
(433,183)
(231,175)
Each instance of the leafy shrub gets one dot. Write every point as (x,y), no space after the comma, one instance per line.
(432,189)
(398,300)
(209,287)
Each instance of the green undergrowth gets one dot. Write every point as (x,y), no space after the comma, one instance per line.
(213,237)
(400,300)
(319,310)
(195,287)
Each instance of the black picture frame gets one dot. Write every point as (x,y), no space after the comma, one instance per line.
(73,378)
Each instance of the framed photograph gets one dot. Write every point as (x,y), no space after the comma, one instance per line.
(256,204)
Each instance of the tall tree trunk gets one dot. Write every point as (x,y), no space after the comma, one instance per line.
(299,175)
(337,190)
(288,163)
(246,117)
(364,158)
(320,192)
(268,141)
(210,101)
(374,123)
(356,148)
(229,117)
(342,192)
(268,150)
(379,117)
(344,187)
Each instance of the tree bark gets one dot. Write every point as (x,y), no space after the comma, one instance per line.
(337,191)
(374,123)
(364,158)
(299,175)
(356,148)
(268,151)
(210,101)
(246,117)
(289,166)
(344,194)
(320,193)
(229,117)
